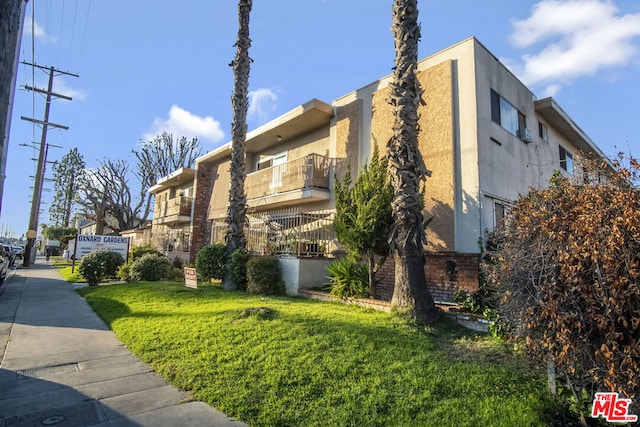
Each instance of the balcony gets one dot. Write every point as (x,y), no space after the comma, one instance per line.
(305,179)
(173,211)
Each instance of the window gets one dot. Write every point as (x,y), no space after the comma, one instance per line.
(499,212)
(543,133)
(187,192)
(505,114)
(278,163)
(566,159)
(278,159)
(496,210)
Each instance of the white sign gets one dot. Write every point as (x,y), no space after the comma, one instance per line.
(86,243)
(190,278)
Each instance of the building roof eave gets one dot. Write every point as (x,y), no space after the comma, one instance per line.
(551,111)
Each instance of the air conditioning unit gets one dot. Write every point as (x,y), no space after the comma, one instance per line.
(525,135)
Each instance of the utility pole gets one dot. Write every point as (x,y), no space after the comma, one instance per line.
(32,232)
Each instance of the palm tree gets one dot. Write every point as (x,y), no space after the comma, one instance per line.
(236,213)
(407,167)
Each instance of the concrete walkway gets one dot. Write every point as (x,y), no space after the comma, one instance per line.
(60,365)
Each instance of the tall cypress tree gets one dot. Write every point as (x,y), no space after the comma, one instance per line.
(66,176)
(363,214)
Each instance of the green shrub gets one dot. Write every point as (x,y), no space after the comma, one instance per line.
(138,251)
(238,267)
(99,265)
(175,275)
(177,263)
(348,278)
(112,261)
(150,267)
(264,276)
(124,272)
(211,261)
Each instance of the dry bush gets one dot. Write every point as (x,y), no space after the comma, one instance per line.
(568,265)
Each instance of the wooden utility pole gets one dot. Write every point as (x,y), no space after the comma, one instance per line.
(29,252)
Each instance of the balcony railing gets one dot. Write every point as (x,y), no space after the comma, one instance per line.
(287,232)
(178,206)
(311,171)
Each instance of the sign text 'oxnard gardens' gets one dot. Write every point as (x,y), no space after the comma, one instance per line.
(86,243)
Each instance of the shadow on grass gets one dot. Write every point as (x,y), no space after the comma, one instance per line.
(445,337)
(266,358)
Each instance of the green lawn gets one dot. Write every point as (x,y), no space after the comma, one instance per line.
(64,268)
(281,361)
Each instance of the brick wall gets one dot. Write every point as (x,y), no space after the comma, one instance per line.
(201,235)
(445,274)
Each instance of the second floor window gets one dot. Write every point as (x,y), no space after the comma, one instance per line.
(543,132)
(505,114)
(566,159)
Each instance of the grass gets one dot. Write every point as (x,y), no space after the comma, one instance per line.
(64,268)
(282,361)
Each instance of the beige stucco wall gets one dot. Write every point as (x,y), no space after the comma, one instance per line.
(347,130)
(316,141)
(220,192)
(436,146)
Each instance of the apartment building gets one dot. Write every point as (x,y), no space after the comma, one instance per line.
(485,137)
(171,224)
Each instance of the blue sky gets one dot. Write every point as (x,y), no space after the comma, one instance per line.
(147,66)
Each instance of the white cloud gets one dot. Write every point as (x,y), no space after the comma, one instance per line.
(60,86)
(31,27)
(183,123)
(262,102)
(580,38)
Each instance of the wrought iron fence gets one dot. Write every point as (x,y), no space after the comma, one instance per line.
(287,232)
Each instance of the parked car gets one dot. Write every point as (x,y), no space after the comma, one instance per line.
(12,255)
(18,250)
(4,264)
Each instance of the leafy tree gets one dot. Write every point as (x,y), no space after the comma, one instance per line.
(57,232)
(363,214)
(66,174)
(410,293)
(162,156)
(567,261)
(241,64)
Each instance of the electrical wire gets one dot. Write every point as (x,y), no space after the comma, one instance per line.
(84,31)
(33,75)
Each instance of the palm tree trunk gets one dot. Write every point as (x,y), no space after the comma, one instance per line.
(410,293)
(236,213)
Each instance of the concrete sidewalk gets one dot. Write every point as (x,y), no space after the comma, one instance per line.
(60,365)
